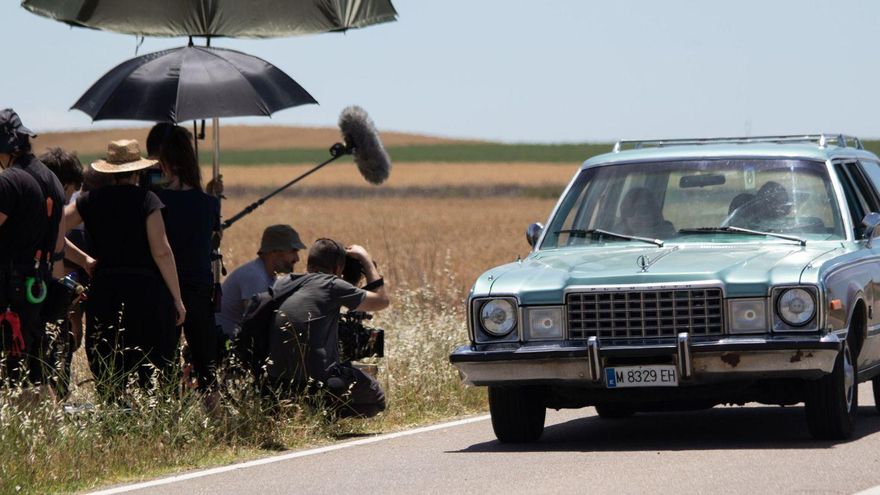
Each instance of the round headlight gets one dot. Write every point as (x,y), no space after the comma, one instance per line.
(796,307)
(498,317)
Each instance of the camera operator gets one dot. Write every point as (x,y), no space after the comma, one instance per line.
(31,240)
(303,345)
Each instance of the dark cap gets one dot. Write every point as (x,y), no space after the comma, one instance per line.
(11,131)
(280,238)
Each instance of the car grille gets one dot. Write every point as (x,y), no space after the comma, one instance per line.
(648,313)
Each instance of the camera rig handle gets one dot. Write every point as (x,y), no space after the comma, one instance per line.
(336,151)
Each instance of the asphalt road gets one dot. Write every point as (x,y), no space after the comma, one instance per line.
(753,450)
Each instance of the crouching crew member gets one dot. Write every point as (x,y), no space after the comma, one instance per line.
(31,241)
(303,345)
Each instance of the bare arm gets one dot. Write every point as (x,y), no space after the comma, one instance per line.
(378,299)
(164,258)
(72,252)
(2,218)
(58,266)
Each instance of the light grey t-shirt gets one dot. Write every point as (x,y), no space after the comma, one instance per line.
(245,281)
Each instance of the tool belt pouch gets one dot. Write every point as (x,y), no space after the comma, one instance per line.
(12,299)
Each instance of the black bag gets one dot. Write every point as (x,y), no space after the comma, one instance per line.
(251,345)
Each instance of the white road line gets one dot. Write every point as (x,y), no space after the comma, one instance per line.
(870,491)
(284,457)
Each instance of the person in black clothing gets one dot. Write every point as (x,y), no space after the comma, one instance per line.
(134,298)
(31,240)
(303,345)
(192,218)
(67,334)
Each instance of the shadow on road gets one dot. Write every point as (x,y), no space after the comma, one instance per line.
(714,429)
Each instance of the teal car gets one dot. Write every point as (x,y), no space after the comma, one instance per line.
(684,274)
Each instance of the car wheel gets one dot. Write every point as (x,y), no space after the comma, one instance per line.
(517,413)
(614,411)
(833,400)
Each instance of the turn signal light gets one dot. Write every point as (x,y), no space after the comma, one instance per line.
(836,304)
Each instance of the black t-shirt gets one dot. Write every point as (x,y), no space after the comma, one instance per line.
(116,219)
(28,227)
(190,218)
(310,315)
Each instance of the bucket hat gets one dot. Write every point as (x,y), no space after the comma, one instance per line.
(280,238)
(123,156)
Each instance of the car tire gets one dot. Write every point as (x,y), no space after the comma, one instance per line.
(614,411)
(517,413)
(833,400)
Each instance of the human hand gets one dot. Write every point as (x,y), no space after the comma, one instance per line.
(359,252)
(214,187)
(181,312)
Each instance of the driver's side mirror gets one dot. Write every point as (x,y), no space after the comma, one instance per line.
(533,232)
(871,223)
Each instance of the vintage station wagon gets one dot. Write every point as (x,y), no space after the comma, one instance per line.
(683,274)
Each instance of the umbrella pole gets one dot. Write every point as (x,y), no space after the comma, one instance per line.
(336,151)
(215,127)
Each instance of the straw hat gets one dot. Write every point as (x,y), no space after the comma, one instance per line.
(123,156)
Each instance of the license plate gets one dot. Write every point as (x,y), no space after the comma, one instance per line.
(664,375)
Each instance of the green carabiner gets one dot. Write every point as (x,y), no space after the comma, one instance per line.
(29,290)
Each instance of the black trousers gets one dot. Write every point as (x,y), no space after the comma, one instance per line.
(130,331)
(200,330)
(348,392)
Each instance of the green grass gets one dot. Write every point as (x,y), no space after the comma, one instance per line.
(503,153)
(454,153)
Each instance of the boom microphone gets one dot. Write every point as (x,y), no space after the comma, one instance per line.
(362,141)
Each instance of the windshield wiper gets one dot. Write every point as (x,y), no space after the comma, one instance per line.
(600,232)
(740,230)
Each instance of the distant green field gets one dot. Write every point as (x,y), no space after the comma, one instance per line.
(489,152)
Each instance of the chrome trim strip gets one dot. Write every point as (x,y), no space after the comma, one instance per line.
(703,284)
(593,356)
(685,363)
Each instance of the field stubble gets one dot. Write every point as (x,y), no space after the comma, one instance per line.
(429,249)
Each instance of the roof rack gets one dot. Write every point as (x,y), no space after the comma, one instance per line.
(822,140)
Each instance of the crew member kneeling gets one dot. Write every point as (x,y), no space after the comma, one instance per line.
(303,345)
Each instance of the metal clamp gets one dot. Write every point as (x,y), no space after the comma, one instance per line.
(593,356)
(685,365)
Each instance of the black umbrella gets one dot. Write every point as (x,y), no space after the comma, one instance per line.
(191,83)
(213,18)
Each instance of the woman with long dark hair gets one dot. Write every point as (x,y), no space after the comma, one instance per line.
(134,297)
(192,217)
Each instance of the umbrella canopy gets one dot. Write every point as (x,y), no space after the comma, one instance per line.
(214,18)
(191,83)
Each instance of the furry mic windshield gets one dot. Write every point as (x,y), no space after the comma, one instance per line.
(362,138)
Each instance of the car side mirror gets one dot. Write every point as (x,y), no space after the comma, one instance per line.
(872,227)
(533,232)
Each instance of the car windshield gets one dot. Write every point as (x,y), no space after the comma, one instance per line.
(692,199)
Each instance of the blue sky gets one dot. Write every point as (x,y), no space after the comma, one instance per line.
(525,71)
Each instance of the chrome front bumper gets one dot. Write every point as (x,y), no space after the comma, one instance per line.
(698,361)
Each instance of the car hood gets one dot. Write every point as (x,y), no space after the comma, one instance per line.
(743,269)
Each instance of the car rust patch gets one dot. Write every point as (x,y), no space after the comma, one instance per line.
(731,359)
(797,356)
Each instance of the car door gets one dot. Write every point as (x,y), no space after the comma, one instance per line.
(862,197)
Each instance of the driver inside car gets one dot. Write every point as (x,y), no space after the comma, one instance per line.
(640,215)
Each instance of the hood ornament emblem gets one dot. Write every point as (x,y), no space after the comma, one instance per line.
(644,262)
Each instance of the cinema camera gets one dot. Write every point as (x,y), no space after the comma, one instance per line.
(358,340)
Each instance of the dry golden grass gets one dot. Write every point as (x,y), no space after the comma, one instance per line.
(232,137)
(402,175)
(410,237)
